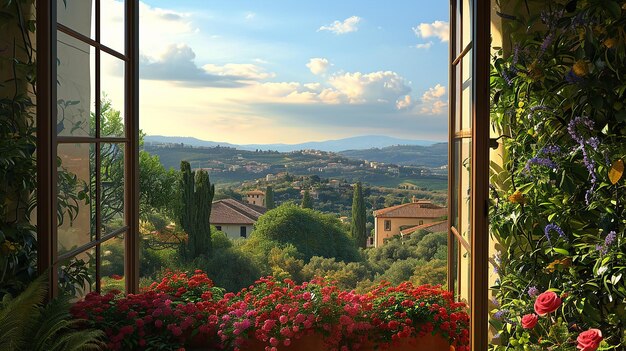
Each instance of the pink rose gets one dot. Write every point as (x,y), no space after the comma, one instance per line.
(589,340)
(547,302)
(529,321)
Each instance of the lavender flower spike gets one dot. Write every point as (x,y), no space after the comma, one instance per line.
(557,229)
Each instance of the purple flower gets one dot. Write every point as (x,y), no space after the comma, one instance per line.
(610,238)
(603,249)
(546,42)
(533,291)
(515,54)
(495,302)
(594,143)
(550,150)
(572,129)
(500,314)
(509,80)
(557,229)
(540,161)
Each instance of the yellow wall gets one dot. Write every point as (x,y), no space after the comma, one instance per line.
(396,223)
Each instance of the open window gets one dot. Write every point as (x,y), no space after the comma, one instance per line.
(469,159)
(87,155)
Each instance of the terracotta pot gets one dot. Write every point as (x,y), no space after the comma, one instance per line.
(312,342)
(428,342)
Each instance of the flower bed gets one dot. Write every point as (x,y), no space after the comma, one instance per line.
(188,311)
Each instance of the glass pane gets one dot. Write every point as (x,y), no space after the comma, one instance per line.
(112,265)
(112,95)
(75,191)
(454,200)
(457,99)
(465,213)
(78,15)
(466,99)
(458,30)
(467,22)
(112,187)
(77,275)
(75,87)
(112,20)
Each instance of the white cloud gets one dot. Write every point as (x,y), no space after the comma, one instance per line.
(243,71)
(438,29)
(381,86)
(424,46)
(404,102)
(318,65)
(177,63)
(348,25)
(250,16)
(434,101)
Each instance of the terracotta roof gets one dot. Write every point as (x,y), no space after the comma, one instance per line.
(231,211)
(417,209)
(255,192)
(435,227)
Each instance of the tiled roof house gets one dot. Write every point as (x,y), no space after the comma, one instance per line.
(235,218)
(391,221)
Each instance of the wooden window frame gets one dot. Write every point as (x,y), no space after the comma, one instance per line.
(479,136)
(48,141)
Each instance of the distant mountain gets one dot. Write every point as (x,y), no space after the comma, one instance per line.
(161,139)
(354,143)
(435,155)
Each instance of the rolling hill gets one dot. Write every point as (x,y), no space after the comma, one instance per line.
(354,143)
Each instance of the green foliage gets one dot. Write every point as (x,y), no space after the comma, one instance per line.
(307,200)
(17,147)
(269,198)
(359,218)
(27,324)
(557,96)
(310,232)
(197,195)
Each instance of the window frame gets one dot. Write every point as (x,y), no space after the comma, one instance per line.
(387,225)
(478,247)
(48,141)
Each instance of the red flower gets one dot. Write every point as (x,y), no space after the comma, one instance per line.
(589,340)
(116,277)
(529,321)
(547,302)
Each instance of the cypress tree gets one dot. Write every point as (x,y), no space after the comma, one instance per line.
(197,194)
(358,230)
(269,198)
(307,201)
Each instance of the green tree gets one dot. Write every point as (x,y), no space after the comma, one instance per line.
(311,232)
(196,193)
(358,230)
(307,200)
(269,198)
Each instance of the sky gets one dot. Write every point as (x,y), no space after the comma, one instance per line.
(288,71)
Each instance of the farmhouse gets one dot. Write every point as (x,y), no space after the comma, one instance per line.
(235,218)
(391,221)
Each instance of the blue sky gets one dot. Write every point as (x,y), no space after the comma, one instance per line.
(292,71)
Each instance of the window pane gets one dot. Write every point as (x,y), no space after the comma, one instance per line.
(467,22)
(112,96)
(112,18)
(79,15)
(464,206)
(75,87)
(112,187)
(466,99)
(112,265)
(457,99)
(77,275)
(76,214)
